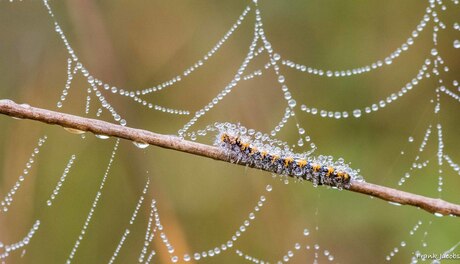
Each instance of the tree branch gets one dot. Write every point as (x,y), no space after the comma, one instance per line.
(10,108)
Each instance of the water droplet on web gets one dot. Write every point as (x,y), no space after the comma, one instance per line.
(281,79)
(457,44)
(269,188)
(300,142)
(357,113)
(388,60)
(411,139)
(193,136)
(306,232)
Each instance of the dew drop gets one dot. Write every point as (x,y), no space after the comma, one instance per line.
(306,232)
(102,136)
(300,142)
(411,139)
(456,26)
(357,113)
(269,188)
(140,145)
(74,131)
(388,60)
(281,79)
(457,44)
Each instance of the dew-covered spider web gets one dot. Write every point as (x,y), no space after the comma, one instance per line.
(385,105)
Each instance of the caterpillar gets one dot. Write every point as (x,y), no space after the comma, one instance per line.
(257,150)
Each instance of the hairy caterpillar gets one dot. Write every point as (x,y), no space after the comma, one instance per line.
(259,151)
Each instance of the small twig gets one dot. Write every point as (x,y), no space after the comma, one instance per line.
(10,108)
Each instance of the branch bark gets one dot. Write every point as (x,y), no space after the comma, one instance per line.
(10,108)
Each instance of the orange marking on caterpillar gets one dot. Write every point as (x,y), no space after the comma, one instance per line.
(302,163)
(316,167)
(288,161)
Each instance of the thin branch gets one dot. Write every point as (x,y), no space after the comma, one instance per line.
(10,108)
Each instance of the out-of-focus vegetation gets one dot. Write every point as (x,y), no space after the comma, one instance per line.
(138,44)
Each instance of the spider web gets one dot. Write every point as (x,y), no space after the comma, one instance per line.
(156,242)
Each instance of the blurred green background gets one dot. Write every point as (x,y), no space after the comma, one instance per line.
(138,44)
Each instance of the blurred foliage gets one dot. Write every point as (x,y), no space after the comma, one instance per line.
(202,202)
